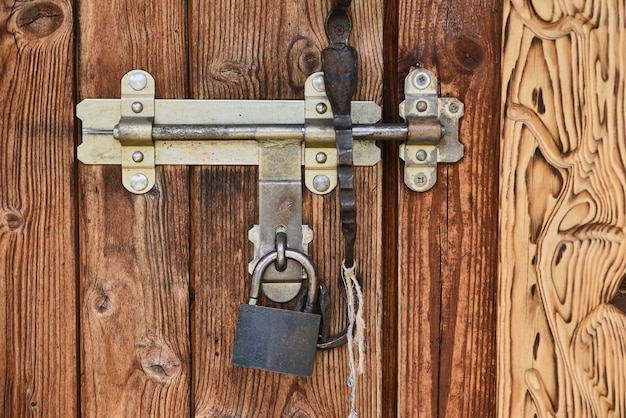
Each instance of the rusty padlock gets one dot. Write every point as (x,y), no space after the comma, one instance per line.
(278,340)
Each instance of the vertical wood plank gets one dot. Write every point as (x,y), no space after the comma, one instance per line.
(37,233)
(390,160)
(135,340)
(447,251)
(265,50)
(562,345)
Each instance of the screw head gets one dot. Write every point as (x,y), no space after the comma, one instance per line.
(321,157)
(421,80)
(138,81)
(453,107)
(137,156)
(420,179)
(421,106)
(318,83)
(421,155)
(137,107)
(321,108)
(139,181)
(321,183)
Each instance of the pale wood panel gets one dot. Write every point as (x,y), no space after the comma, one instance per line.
(447,237)
(562,346)
(265,50)
(135,340)
(38,373)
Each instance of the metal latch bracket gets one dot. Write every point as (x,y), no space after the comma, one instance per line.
(134,132)
(433,126)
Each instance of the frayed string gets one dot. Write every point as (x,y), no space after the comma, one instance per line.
(355,331)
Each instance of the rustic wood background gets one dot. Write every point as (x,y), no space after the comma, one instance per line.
(122,305)
(561,350)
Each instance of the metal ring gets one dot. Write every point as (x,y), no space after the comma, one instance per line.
(268,259)
(281,247)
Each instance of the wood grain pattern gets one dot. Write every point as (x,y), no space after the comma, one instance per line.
(562,346)
(119,305)
(37,243)
(265,51)
(447,236)
(135,339)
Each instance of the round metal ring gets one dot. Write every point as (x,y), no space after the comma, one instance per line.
(268,259)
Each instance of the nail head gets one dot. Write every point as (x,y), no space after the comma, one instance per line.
(138,81)
(139,182)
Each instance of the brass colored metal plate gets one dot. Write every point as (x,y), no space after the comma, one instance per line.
(100,116)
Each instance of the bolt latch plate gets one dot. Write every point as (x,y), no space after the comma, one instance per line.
(140,132)
(432,130)
(134,131)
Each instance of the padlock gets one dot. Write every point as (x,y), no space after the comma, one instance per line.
(278,340)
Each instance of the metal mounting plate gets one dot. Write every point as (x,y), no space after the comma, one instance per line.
(100,116)
(437,119)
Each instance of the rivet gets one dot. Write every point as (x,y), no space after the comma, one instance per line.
(421,106)
(139,181)
(318,83)
(321,183)
(321,157)
(453,107)
(321,108)
(137,107)
(138,81)
(421,155)
(421,80)
(137,156)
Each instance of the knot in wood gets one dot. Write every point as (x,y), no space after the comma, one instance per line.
(13,220)
(158,361)
(38,19)
(468,53)
(303,60)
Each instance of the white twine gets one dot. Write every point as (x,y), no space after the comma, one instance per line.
(355,331)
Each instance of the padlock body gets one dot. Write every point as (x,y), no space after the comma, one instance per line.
(276,340)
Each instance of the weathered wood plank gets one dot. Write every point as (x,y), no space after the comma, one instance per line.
(135,340)
(562,346)
(447,259)
(390,218)
(37,237)
(265,50)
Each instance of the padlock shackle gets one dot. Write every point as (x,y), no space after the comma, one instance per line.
(268,259)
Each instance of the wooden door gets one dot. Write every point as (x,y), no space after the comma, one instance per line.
(123,305)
